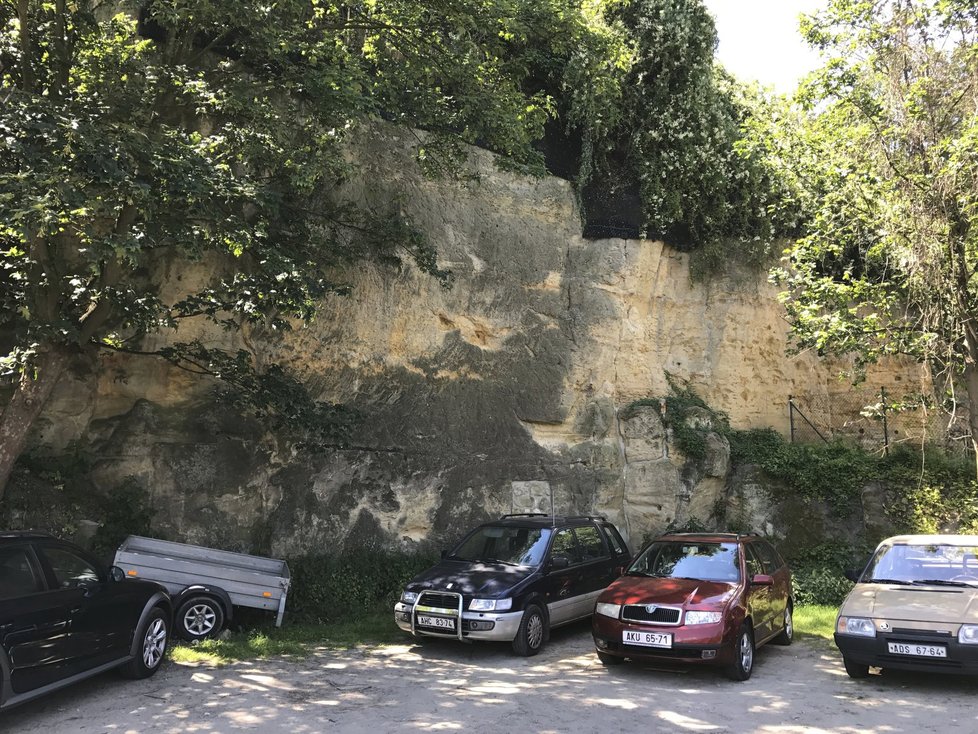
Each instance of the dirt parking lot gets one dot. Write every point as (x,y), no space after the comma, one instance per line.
(443,686)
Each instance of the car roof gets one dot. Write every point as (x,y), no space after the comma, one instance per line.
(545,520)
(709,537)
(968,540)
(23,535)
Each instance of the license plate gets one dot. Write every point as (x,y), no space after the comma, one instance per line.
(926,651)
(444,622)
(646,639)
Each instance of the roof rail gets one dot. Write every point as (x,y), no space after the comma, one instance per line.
(525,514)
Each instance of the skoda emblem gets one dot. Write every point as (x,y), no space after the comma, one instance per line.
(650,608)
(884,626)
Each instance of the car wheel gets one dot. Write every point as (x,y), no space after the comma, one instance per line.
(788,631)
(607,659)
(532,632)
(743,662)
(199,617)
(153,637)
(855,670)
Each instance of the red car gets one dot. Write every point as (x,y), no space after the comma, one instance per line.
(697,598)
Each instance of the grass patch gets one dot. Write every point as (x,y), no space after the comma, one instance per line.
(296,640)
(815,620)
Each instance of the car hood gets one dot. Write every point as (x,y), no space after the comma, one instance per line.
(475,578)
(912,603)
(678,592)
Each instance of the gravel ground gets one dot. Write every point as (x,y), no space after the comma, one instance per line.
(445,686)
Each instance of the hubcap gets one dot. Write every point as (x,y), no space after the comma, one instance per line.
(154,643)
(788,629)
(534,631)
(199,619)
(746,652)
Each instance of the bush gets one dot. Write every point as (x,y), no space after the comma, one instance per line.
(331,588)
(818,573)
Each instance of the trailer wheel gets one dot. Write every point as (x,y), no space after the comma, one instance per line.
(199,617)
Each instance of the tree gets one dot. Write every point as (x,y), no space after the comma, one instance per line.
(136,135)
(885,161)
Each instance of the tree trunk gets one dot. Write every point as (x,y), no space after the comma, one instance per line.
(32,392)
(971,385)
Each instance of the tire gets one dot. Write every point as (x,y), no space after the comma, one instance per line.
(153,636)
(855,670)
(743,662)
(532,632)
(607,659)
(788,631)
(199,617)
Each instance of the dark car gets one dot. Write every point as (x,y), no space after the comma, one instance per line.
(697,598)
(514,579)
(65,617)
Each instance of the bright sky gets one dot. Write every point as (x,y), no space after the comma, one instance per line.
(759,39)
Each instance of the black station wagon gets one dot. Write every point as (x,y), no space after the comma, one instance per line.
(65,617)
(514,579)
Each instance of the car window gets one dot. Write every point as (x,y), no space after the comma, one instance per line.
(754,565)
(521,546)
(70,569)
(694,560)
(614,538)
(566,545)
(17,577)
(590,542)
(769,557)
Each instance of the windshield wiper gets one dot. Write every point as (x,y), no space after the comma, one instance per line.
(941,582)
(638,573)
(498,560)
(886,581)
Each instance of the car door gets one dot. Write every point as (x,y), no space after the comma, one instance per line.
(562,585)
(598,567)
(759,597)
(34,622)
(775,567)
(99,623)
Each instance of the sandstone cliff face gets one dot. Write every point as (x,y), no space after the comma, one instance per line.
(487,397)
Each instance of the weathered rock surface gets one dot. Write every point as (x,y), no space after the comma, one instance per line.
(485,398)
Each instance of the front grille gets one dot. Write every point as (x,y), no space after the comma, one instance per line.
(918,633)
(439,600)
(659,615)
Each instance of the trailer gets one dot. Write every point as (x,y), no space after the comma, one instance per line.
(206,584)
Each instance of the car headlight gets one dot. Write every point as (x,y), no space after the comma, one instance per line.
(608,610)
(968,634)
(859,626)
(409,597)
(490,605)
(703,617)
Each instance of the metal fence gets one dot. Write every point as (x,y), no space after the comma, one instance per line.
(877,419)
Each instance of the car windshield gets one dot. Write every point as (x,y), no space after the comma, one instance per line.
(504,544)
(923,563)
(685,559)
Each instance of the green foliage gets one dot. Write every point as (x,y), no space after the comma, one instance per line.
(331,588)
(124,511)
(818,572)
(881,152)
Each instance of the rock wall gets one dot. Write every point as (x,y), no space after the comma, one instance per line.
(490,396)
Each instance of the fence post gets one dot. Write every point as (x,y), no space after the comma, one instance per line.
(791,418)
(886,432)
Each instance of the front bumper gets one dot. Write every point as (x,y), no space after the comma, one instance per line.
(875,651)
(694,644)
(491,626)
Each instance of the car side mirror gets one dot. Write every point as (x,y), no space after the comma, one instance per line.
(852,574)
(762,579)
(117,574)
(619,571)
(559,562)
